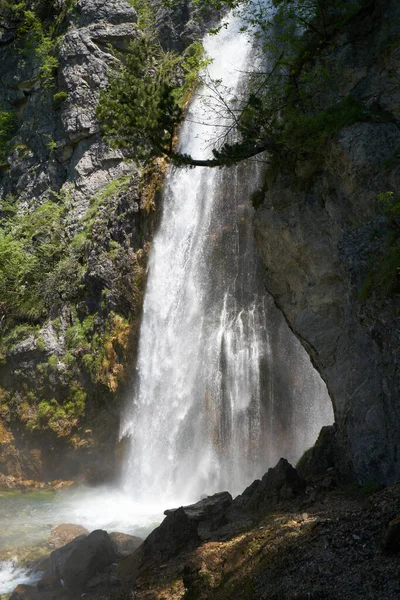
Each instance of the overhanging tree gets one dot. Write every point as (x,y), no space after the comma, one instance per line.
(284,109)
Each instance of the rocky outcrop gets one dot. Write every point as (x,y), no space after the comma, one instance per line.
(279,484)
(321,230)
(66,146)
(58,155)
(181,23)
(212,518)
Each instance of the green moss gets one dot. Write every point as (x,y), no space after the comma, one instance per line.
(59,98)
(53,362)
(40,343)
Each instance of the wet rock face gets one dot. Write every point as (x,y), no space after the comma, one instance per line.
(320,228)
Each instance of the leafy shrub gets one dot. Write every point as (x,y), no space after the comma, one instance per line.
(143,104)
(32,244)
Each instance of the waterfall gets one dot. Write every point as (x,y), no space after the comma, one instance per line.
(206,411)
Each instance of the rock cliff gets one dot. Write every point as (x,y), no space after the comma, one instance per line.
(328,246)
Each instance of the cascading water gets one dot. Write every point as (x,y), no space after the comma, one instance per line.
(204,407)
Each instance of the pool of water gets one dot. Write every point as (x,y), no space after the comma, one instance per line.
(26,521)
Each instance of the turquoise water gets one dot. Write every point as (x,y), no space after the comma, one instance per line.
(26,521)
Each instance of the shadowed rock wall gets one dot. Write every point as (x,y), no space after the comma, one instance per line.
(321,230)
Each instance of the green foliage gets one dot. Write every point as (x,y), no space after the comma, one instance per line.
(289,108)
(42,267)
(60,418)
(138,110)
(36,262)
(144,101)
(146,15)
(59,98)
(8,127)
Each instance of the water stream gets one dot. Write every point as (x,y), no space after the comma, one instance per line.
(223,389)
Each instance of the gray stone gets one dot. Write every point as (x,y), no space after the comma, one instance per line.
(59,557)
(111,11)
(207,508)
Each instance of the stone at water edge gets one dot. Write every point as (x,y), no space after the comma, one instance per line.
(65,533)
(85,557)
(59,557)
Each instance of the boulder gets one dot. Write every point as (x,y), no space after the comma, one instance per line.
(282,482)
(77,562)
(65,533)
(209,513)
(391,538)
(325,455)
(59,557)
(125,544)
(177,532)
